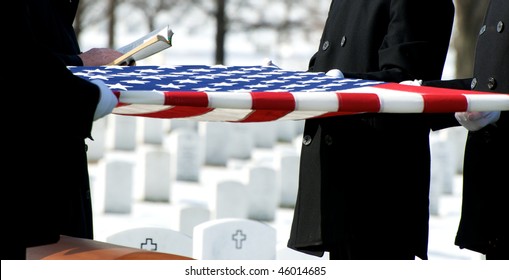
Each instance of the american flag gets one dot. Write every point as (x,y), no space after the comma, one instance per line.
(269,93)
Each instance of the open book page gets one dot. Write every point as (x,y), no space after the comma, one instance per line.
(152,43)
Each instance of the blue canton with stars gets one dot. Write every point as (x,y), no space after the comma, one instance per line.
(215,78)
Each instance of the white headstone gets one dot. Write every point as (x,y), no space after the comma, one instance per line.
(265,134)
(442,173)
(288,167)
(121,133)
(119,181)
(299,127)
(231,200)
(442,156)
(234,239)
(286,131)
(263,193)
(182,123)
(457,136)
(154,173)
(155,239)
(242,141)
(189,216)
(216,137)
(185,151)
(151,130)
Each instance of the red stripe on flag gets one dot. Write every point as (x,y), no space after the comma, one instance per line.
(176,112)
(444,103)
(265,115)
(186,98)
(421,89)
(358,102)
(436,100)
(273,101)
(334,114)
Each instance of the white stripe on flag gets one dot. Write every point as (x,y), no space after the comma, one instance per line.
(137,109)
(484,102)
(230,100)
(142,97)
(229,115)
(394,101)
(316,101)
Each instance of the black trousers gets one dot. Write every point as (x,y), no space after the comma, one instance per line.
(498,253)
(371,252)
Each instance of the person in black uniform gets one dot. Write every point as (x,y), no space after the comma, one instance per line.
(54,20)
(485,210)
(54,28)
(46,167)
(482,227)
(364,179)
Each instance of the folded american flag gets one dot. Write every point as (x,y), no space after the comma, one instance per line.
(268,93)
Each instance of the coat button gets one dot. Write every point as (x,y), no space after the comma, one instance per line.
(306,140)
(328,139)
(493,242)
(492,83)
(325,45)
(343,41)
(500,26)
(483,29)
(473,84)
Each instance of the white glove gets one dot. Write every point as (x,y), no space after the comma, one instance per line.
(107,101)
(412,83)
(336,73)
(474,121)
(268,62)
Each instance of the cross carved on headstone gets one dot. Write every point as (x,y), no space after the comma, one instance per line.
(149,245)
(238,237)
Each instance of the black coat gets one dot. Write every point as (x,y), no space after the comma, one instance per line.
(48,193)
(364,179)
(485,210)
(54,21)
(52,24)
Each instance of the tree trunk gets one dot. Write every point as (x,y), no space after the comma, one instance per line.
(469,16)
(221,30)
(112,4)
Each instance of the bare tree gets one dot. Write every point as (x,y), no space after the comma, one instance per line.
(152,8)
(92,12)
(221,29)
(88,11)
(285,18)
(112,21)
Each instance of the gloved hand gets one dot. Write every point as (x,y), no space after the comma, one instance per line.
(268,62)
(107,101)
(335,73)
(412,83)
(474,121)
